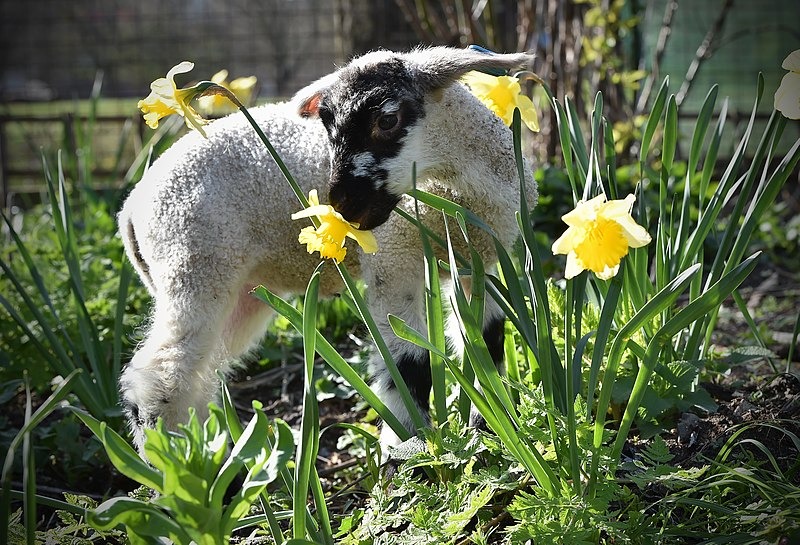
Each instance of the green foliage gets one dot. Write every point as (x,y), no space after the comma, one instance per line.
(72,528)
(644,340)
(725,501)
(72,314)
(24,439)
(606,23)
(191,472)
(414,510)
(592,364)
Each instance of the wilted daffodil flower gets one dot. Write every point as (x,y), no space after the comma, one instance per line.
(599,236)
(165,99)
(328,239)
(787,97)
(501,95)
(219,104)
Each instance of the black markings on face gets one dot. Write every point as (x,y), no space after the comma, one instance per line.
(367,114)
(132,411)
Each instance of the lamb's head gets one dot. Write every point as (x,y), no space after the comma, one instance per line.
(372,108)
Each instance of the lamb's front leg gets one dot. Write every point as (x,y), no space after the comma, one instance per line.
(494,333)
(398,289)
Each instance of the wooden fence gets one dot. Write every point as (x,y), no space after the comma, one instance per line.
(112,140)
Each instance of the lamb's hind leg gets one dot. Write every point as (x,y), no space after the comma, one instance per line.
(175,367)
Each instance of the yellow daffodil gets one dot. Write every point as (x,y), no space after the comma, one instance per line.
(165,99)
(787,97)
(328,239)
(218,104)
(599,236)
(501,95)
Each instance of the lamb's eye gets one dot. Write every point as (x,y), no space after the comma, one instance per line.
(387,122)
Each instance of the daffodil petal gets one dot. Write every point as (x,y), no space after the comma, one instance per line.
(636,235)
(365,239)
(792,61)
(584,212)
(528,113)
(193,119)
(608,272)
(220,77)
(164,88)
(479,82)
(180,68)
(574,266)
(313,210)
(240,84)
(567,242)
(787,97)
(618,208)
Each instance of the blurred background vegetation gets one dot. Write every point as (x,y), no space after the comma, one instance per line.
(57,54)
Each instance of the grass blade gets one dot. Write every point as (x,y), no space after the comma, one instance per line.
(652,122)
(711,298)
(28,476)
(308,445)
(335,360)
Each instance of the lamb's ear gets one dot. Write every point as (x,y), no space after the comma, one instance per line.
(438,67)
(306,100)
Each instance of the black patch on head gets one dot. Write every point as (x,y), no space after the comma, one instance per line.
(416,372)
(368,113)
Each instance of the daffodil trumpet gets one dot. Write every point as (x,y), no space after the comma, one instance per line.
(599,235)
(330,231)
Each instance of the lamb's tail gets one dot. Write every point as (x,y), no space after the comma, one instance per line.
(135,255)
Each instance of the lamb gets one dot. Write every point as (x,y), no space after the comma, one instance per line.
(210,219)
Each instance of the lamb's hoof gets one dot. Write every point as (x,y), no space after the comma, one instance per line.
(396,456)
(477,421)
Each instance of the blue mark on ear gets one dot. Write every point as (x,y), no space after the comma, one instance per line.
(497,72)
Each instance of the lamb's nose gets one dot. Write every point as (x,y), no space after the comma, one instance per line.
(343,204)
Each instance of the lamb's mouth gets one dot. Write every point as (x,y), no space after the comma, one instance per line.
(369,208)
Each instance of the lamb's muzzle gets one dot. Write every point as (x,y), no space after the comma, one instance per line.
(211,218)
